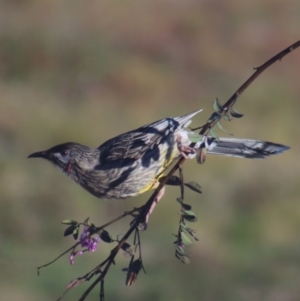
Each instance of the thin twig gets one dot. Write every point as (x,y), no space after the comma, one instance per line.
(231,101)
(115,220)
(59,256)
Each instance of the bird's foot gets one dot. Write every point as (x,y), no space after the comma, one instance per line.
(142,226)
(186,152)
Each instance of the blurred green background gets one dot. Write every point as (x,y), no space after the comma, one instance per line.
(86,71)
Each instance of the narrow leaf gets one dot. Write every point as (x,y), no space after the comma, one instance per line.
(128,249)
(186,240)
(183,225)
(189,218)
(105,236)
(192,233)
(186,206)
(193,137)
(226,117)
(189,212)
(235,114)
(186,229)
(133,270)
(173,180)
(75,233)
(214,116)
(217,105)
(70,230)
(69,222)
(125,246)
(183,258)
(180,250)
(194,186)
(222,128)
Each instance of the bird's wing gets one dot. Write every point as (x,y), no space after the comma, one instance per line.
(135,144)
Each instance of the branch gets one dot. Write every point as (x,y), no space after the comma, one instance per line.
(231,101)
(220,112)
(204,131)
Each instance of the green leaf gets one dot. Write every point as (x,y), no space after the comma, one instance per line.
(183,226)
(186,229)
(189,215)
(222,128)
(69,222)
(105,236)
(235,114)
(183,258)
(173,180)
(226,117)
(185,239)
(180,250)
(125,246)
(128,249)
(75,233)
(189,218)
(192,233)
(186,206)
(189,212)
(214,116)
(194,186)
(133,270)
(217,105)
(193,137)
(70,230)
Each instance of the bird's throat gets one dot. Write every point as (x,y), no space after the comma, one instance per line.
(68,168)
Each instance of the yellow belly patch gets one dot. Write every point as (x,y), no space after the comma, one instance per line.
(167,162)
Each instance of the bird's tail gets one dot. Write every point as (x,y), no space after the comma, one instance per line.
(245,148)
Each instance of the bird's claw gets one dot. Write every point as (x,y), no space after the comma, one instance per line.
(142,226)
(185,151)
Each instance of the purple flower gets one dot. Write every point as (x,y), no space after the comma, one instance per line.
(87,242)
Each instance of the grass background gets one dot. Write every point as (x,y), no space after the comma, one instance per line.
(86,71)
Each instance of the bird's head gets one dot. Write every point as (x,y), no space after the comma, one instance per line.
(68,156)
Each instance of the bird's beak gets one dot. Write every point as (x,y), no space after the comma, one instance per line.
(42,154)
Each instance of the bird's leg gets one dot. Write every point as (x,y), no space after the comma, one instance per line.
(143,226)
(185,150)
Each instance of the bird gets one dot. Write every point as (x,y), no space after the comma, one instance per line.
(133,163)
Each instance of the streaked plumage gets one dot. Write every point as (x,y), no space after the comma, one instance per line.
(132,163)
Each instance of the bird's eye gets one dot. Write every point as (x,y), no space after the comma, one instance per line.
(64,153)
